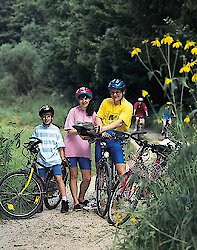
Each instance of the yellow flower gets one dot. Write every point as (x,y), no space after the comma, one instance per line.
(167,40)
(189,44)
(194,51)
(159,120)
(187,119)
(167,80)
(145,41)
(10,207)
(135,51)
(156,43)
(185,68)
(194,78)
(177,45)
(133,220)
(192,64)
(144,93)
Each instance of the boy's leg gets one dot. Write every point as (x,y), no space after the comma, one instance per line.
(57,171)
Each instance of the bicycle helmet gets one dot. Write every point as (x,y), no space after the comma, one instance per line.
(117,84)
(83,91)
(168,103)
(46,109)
(140,99)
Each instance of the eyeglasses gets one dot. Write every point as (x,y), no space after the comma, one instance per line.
(84,97)
(115,92)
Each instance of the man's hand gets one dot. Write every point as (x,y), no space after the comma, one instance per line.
(107,135)
(97,129)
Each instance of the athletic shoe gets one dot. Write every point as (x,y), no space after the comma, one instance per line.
(91,205)
(77,207)
(65,207)
(84,203)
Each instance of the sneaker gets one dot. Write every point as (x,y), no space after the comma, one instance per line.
(65,207)
(77,207)
(84,203)
(91,205)
(135,129)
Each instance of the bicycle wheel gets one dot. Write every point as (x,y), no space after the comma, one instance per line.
(123,201)
(53,196)
(102,188)
(16,204)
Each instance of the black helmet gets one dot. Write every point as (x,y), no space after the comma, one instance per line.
(46,109)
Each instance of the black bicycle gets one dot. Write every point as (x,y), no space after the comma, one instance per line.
(22,192)
(106,176)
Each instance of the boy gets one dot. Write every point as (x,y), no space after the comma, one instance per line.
(51,150)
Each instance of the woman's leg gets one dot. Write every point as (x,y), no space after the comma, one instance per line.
(73,184)
(86,178)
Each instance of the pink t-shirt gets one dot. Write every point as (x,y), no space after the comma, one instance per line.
(74,145)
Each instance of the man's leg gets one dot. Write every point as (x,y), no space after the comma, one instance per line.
(121,168)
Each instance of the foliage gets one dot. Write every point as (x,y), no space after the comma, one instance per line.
(8,142)
(87,42)
(169,221)
(21,69)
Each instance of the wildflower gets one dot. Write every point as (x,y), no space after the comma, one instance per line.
(167,40)
(144,93)
(194,78)
(135,51)
(167,80)
(185,68)
(189,44)
(145,41)
(156,43)
(177,45)
(159,120)
(192,63)
(133,220)
(194,51)
(187,119)
(10,207)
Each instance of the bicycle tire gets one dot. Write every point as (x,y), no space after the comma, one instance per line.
(16,205)
(123,201)
(53,196)
(102,189)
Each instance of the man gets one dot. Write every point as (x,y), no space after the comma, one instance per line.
(115,115)
(140,111)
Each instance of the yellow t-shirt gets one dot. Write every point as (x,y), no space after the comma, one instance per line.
(109,113)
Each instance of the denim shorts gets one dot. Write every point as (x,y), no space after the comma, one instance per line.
(84,163)
(57,170)
(114,147)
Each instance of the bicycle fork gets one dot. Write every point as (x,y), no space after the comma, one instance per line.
(28,181)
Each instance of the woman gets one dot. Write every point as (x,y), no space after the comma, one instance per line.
(77,150)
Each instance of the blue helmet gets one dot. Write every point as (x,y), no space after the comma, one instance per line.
(117,84)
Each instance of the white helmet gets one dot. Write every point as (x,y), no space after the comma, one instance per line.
(140,99)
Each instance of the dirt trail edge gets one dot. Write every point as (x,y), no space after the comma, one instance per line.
(82,230)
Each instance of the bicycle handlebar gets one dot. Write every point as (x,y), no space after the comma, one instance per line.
(32,144)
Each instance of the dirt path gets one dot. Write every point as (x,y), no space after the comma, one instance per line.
(80,230)
(50,229)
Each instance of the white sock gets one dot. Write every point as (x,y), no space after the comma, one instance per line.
(64,198)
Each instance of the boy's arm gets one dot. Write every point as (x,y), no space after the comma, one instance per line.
(61,152)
